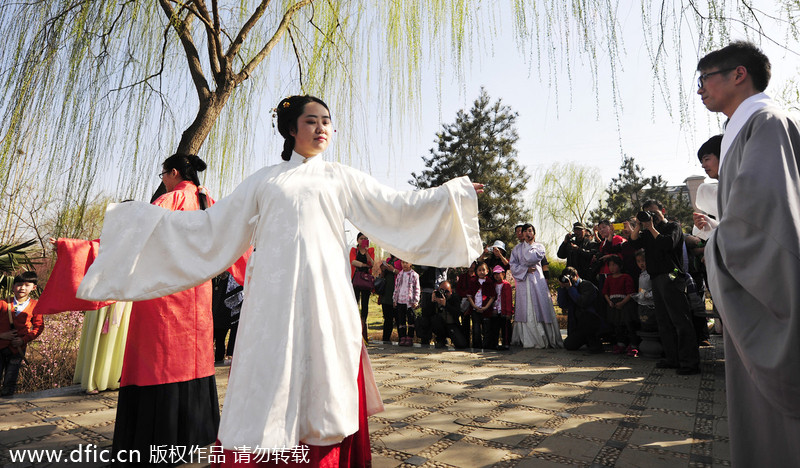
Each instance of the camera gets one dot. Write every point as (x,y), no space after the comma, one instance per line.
(565,279)
(645,216)
(438,293)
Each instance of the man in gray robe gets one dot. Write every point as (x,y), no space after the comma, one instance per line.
(753,257)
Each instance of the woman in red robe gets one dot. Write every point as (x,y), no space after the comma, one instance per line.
(168,392)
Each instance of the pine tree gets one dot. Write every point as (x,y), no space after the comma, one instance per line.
(630,189)
(480,144)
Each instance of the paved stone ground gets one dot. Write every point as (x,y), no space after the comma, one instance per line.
(446,408)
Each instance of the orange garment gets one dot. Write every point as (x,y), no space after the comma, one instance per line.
(27,323)
(353,253)
(170,339)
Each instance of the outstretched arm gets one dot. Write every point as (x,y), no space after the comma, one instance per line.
(148,252)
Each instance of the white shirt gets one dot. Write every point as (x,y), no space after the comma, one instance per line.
(498,303)
(479,294)
(747,108)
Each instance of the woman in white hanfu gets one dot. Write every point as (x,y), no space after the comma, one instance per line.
(301,374)
(535,323)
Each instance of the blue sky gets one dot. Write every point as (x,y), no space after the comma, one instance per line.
(579,125)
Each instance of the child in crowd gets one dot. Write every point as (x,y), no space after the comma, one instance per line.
(481,296)
(405,299)
(389,269)
(19,325)
(503,310)
(647,307)
(463,283)
(617,291)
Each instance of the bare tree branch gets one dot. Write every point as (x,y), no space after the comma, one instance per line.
(282,27)
(251,22)
(296,56)
(192,56)
(214,47)
(151,76)
(215,12)
(218,31)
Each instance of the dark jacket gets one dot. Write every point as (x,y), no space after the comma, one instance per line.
(664,253)
(579,257)
(451,309)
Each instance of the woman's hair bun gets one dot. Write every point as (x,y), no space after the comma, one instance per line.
(198,164)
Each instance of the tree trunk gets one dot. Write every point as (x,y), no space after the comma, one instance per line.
(194,136)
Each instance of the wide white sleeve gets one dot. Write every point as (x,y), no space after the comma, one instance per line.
(436,227)
(147,251)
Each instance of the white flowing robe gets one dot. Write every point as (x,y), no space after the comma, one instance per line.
(535,323)
(753,263)
(297,353)
(706,201)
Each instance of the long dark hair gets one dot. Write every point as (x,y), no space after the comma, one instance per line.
(188,165)
(288,111)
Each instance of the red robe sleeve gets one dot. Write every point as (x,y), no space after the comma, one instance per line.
(506,305)
(629,287)
(37,323)
(239,268)
(74,258)
(352,257)
(606,288)
(4,321)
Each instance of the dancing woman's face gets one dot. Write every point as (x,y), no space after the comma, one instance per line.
(314,129)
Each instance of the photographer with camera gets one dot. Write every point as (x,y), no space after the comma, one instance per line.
(579,249)
(578,297)
(445,322)
(662,242)
(495,255)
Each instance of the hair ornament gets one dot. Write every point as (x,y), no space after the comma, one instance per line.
(286,104)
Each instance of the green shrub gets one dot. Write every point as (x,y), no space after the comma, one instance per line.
(556,269)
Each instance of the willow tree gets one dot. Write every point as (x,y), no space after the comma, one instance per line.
(563,193)
(96,92)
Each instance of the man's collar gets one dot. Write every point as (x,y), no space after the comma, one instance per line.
(740,116)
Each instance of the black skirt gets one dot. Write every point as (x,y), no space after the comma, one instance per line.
(176,417)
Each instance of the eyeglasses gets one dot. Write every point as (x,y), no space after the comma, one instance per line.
(702,78)
(161,175)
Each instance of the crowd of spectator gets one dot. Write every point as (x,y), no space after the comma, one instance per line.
(616,275)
